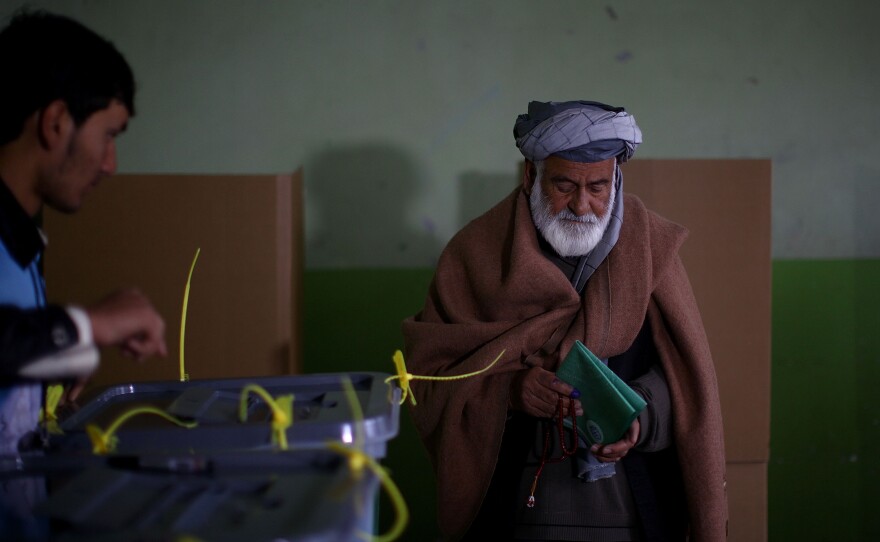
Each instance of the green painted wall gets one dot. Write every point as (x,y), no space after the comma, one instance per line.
(825,425)
(825,429)
(352,323)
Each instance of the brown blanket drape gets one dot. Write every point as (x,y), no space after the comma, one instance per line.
(495,291)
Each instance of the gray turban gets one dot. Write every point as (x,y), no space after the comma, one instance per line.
(577,131)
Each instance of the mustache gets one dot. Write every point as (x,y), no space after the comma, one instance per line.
(566,214)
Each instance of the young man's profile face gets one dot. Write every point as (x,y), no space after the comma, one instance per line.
(89,155)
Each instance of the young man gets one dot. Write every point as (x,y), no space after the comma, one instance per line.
(67,94)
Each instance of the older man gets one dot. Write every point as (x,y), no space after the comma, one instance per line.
(568,256)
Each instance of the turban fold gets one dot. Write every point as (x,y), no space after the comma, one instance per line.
(578,131)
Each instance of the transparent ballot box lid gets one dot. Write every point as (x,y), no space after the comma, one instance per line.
(322,412)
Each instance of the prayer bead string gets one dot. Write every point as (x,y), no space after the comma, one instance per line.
(566,452)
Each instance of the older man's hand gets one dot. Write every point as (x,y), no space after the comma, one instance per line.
(610,453)
(536,392)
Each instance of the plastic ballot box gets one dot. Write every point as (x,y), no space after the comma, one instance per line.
(321,413)
(289,496)
(219,477)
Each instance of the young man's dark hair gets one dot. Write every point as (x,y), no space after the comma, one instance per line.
(46,57)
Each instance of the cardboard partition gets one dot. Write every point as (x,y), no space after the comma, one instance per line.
(747,496)
(726,206)
(143,231)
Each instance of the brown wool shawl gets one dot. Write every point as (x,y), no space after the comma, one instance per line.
(495,291)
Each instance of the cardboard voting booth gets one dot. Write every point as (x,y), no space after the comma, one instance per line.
(726,206)
(143,230)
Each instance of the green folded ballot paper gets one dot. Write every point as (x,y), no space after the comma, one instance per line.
(610,405)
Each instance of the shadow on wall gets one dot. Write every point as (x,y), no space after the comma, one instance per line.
(867,346)
(479,192)
(866,218)
(358,201)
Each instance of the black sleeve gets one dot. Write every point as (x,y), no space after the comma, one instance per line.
(26,334)
(640,367)
(656,420)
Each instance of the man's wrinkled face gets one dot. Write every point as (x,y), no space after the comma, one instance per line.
(571,202)
(90,155)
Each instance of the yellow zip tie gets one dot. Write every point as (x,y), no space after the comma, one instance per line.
(405,377)
(282,412)
(357,414)
(53,397)
(104,442)
(47,413)
(183,376)
(358,461)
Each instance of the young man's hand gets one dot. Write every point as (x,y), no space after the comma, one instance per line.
(126,319)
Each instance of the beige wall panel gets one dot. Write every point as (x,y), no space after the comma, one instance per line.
(143,231)
(726,206)
(747,495)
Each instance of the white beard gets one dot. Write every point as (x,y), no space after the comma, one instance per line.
(569,235)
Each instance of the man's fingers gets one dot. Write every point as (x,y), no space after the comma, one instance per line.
(541,404)
(617,450)
(566,409)
(561,387)
(609,453)
(72,391)
(141,347)
(536,392)
(128,320)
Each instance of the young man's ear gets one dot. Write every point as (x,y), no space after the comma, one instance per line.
(530,172)
(54,125)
